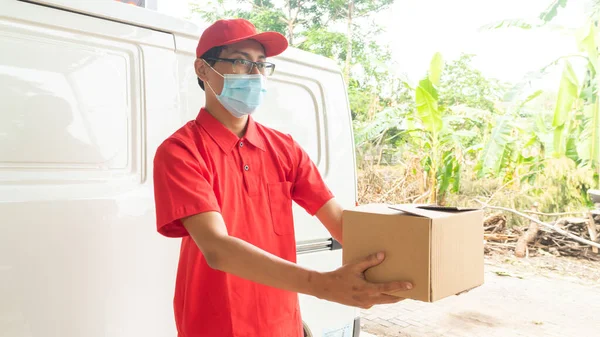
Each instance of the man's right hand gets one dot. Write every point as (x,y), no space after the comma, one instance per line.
(347,285)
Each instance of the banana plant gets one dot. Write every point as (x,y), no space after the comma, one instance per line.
(576,122)
(438,139)
(516,145)
(429,131)
(575,128)
(589,144)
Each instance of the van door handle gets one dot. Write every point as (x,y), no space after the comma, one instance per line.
(313,246)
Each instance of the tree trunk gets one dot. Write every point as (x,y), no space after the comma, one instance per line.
(433,186)
(591,225)
(290,24)
(527,237)
(349,43)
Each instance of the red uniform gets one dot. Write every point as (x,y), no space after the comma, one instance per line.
(251,181)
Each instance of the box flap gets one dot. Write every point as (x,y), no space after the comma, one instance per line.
(375,208)
(431,211)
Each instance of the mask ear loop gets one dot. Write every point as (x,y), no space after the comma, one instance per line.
(213,69)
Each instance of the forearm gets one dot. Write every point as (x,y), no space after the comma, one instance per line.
(336,233)
(247,261)
(330,216)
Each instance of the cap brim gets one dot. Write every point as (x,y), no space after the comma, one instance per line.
(273,42)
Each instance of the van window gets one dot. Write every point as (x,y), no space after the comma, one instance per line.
(292,108)
(63,104)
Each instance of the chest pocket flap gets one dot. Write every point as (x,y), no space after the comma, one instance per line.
(280,201)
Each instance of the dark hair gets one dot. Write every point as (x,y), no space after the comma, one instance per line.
(214,52)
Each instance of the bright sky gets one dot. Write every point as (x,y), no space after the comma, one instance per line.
(416,29)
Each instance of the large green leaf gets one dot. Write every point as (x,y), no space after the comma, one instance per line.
(567,94)
(587,40)
(427,107)
(559,141)
(571,151)
(588,146)
(510,156)
(373,129)
(494,153)
(449,173)
(533,140)
(435,69)
(456,174)
(509,23)
(552,10)
(589,89)
(430,88)
(531,98)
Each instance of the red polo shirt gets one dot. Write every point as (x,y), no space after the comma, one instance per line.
(251,181)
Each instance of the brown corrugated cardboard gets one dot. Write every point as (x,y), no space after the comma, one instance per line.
(438,249)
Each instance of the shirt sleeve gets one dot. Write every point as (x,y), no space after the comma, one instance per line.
(182,187)
(309,190)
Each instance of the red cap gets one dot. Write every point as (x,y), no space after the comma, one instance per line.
(225,32)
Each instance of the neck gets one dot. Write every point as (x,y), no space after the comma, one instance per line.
(235,125)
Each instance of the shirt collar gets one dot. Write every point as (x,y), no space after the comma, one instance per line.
(224,137)
(253,135)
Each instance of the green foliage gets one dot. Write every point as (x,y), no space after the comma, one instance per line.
(266,20)
(435,69)
(324,42)
(510,23)
(563,186)
(306,24)
(339,9)
(461,84)
(497,150)
(457,134)
(427,106)
(567,95)
(588,148)
(552,10)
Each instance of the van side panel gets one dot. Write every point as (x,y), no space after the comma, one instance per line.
(84,103)
(80,119)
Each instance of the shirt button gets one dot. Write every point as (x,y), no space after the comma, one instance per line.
(246,167)
(241,144)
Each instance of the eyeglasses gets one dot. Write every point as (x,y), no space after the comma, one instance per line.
(241,66)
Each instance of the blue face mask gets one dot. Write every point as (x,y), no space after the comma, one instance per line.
(241,94)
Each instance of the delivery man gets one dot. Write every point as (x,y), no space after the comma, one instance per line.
(225,184)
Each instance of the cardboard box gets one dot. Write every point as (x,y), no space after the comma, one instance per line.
(438,249)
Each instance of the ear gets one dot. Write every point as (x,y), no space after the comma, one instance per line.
(201,69)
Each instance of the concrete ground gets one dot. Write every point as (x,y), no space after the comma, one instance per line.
(519,298)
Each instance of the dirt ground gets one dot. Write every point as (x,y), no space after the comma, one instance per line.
(536,296)
(575,269)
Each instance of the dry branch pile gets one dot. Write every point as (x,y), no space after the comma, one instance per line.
(530,240)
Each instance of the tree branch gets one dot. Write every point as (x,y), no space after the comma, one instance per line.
(254,5)
(369,10)
(556,214)
(298,8)
(558,230)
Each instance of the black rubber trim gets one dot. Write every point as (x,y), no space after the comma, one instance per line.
(356,332)
(335,245)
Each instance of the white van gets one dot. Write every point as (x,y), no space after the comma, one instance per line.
(88,90)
